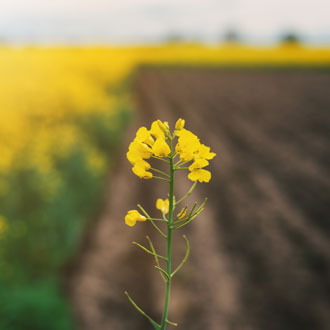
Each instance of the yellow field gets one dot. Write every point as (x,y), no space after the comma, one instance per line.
(43,89)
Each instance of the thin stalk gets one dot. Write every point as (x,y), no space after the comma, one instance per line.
(150,252)
(159,171)
(150,219)
(169,242)
(162,159)
(156,258)
(187,194)
(154,323)
(160,178)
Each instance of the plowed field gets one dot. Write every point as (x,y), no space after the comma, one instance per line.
(260,256)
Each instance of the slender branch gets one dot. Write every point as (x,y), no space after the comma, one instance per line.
(158,229)
(156,257)
(160,178)
(163,272)
(157,219)
(144,211)
(190,216)
(187,194)
(200,209)
(185,223)
(155,324)
(160,172)
(172,323)
(181,168)
(162,159)
(152,222)
(178,163)
(148,251)
(192,210)
(185,257)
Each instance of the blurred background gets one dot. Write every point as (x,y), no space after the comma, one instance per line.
(251,79)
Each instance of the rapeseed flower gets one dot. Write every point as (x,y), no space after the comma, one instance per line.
(156,131)
(140,169)
(144,136)
(160,148)
(132,217)
(162,205)
(200,175)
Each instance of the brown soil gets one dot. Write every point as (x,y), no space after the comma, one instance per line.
(260,256)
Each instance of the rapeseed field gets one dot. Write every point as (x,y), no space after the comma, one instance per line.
(63,113)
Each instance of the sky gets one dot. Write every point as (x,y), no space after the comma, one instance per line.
(143,21)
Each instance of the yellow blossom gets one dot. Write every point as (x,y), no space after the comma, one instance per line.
(200,175)
(204,152)
(140,149)
(140,169)
(133,216)
(156,131)
(133,157)
(144,136)
(198,164)
(161,148)
(187,146)
(179,124)
(162,205)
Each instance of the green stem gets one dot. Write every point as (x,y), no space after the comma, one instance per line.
(169,243)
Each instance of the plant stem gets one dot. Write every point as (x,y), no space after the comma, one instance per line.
(169,243)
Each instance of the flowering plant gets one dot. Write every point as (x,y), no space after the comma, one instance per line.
(158,143)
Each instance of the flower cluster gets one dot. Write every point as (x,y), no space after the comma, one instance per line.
(153,143)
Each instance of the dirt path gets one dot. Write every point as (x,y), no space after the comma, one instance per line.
(260,254)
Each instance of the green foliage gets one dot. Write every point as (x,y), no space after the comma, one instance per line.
(35,307)
(45,216)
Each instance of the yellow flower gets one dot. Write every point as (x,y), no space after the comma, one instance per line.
(200,175)
(161,148)
(198,164)
(182,214)
(140,169)
(140,148)
(133,157)
(179,124)
(133,216)
(163,205)
(204,152)
(144,136)
(156,131)
(187,146)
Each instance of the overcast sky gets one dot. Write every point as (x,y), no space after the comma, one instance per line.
(127,21)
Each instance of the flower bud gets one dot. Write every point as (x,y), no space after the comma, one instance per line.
(179,124)
(163,126)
